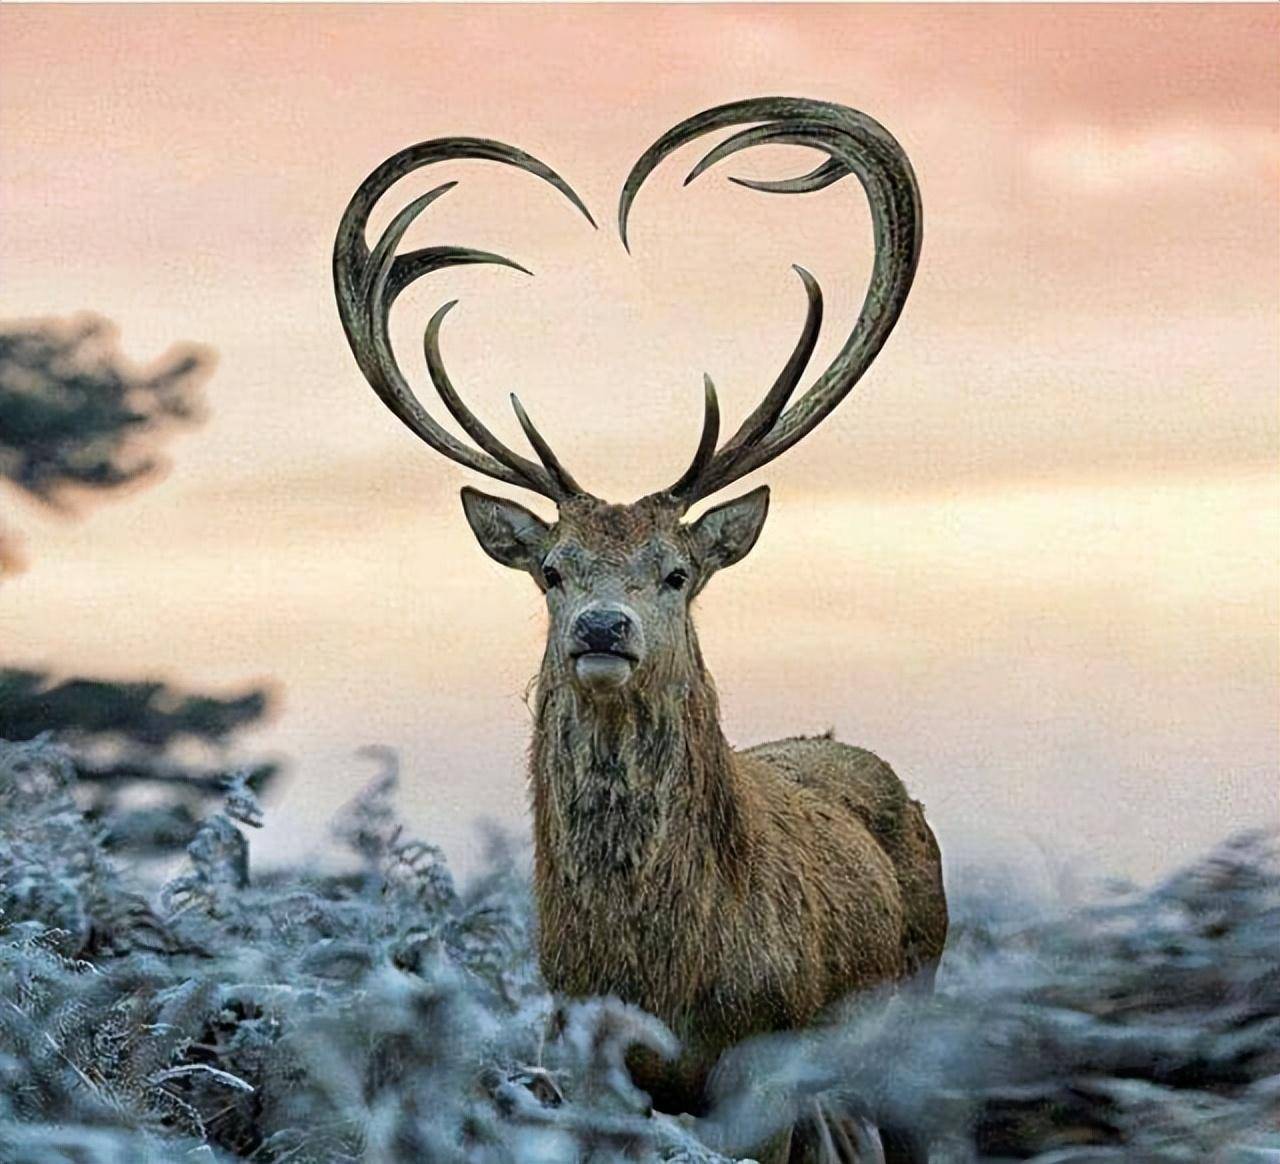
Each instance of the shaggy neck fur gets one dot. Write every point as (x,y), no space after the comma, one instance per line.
(624,785)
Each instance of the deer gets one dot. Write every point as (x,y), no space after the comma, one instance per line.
(730,892)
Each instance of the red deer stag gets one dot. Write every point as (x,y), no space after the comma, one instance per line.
(727,892)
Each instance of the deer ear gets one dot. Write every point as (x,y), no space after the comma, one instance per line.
(507,532)
(725,535)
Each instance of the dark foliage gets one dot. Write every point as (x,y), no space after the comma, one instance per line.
(75,413)
(122,738)
(148,715)
(77,418)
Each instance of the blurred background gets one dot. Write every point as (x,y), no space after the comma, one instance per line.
(1031,561)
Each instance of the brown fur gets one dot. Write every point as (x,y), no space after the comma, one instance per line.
(727,892)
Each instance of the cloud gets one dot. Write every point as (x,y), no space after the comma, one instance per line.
(1105,162)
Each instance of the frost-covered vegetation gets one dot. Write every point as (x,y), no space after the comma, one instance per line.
(380,1013)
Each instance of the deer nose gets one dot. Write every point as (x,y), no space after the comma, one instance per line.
(604,629)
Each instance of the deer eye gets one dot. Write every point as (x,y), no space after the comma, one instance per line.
(551,576)
(675,580)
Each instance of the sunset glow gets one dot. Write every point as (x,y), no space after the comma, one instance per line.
(1031,561)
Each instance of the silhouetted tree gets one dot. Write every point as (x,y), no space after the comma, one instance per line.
(78,420)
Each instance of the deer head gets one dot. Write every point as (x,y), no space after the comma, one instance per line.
(618,579)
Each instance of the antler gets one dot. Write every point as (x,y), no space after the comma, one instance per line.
(368,282)
(854,144)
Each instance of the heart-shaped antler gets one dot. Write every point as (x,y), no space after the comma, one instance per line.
(368,282)
(854,144)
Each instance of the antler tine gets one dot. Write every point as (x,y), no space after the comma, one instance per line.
(706,444)
(854,143)
(469,422)
(558,473)
(770,408)
(825,175)
(370,340)
(367,284)
(829,172)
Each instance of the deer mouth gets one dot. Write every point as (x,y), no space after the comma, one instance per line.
(603,669)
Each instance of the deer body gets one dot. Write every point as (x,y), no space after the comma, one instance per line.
(730,898)
(729,893)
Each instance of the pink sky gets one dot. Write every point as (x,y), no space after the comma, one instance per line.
(1032,561)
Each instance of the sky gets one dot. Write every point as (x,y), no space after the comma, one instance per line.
(1031,561)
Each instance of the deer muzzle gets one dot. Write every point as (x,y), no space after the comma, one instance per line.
(607,644)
